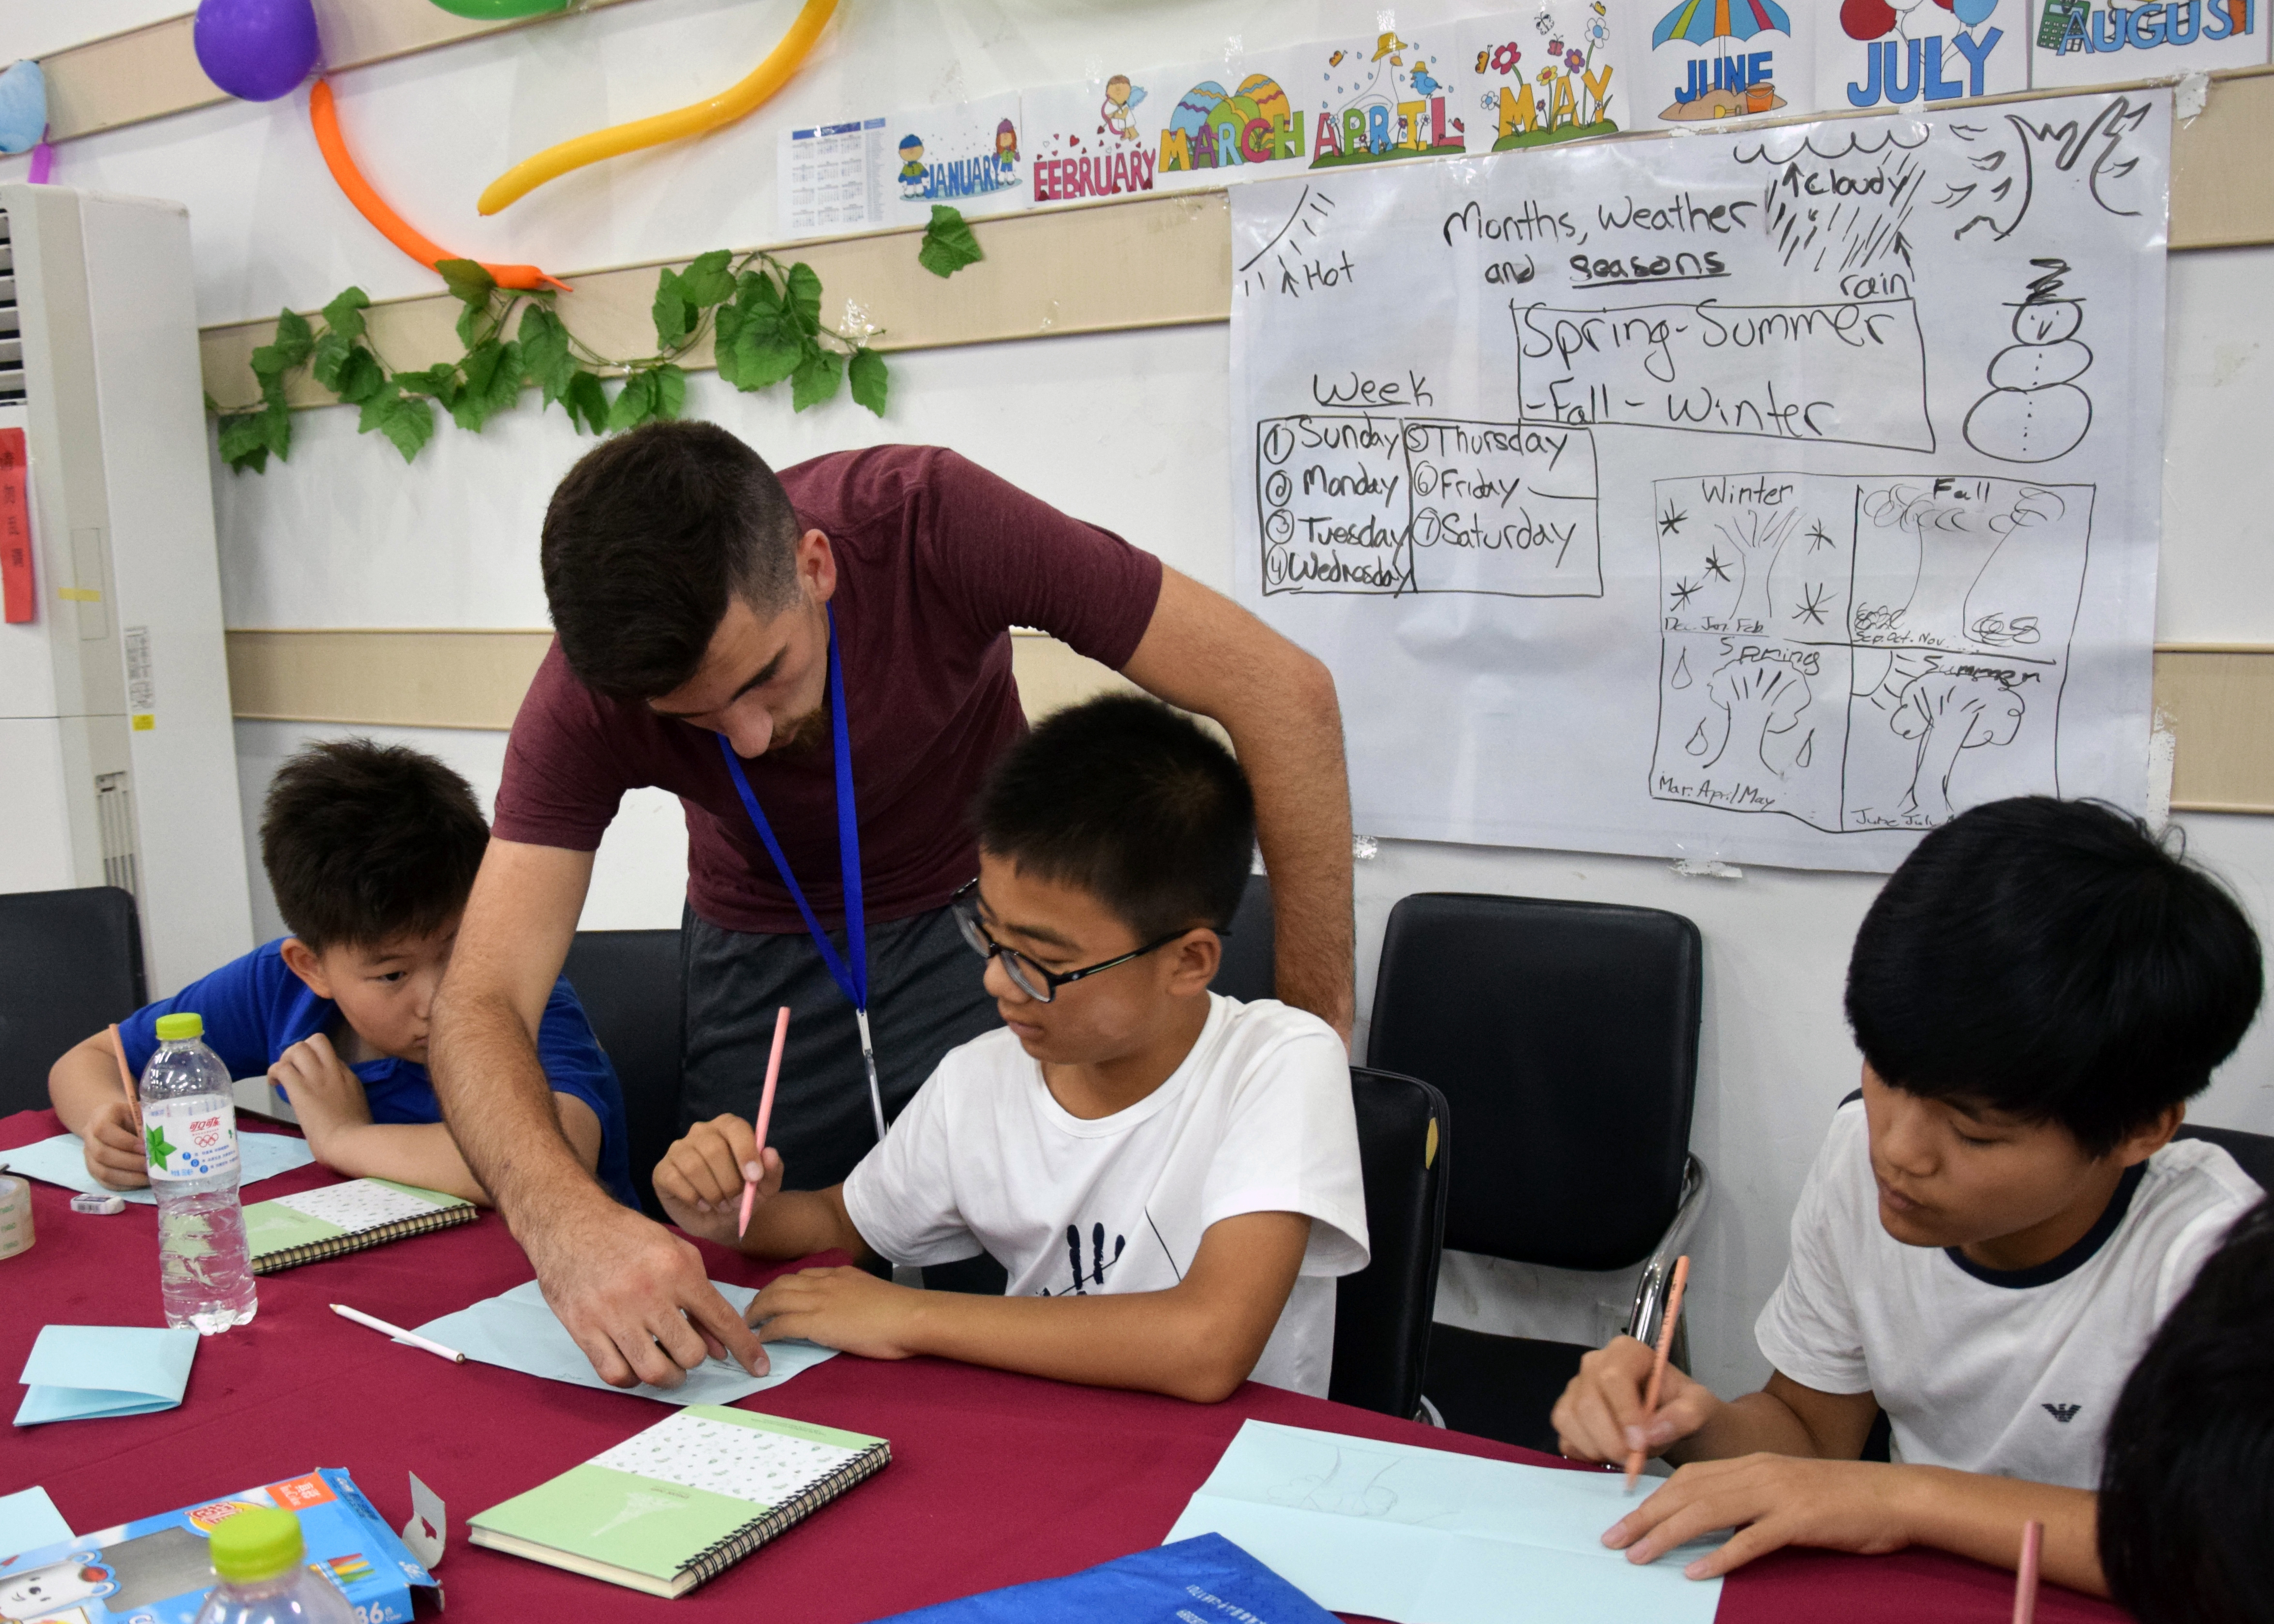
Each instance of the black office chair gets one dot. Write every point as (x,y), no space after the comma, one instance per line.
(1246,971)
(1564,1034)
(1382,1313)
(628,982)
(2254,1153)
(70,963)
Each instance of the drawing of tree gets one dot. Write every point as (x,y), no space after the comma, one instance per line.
(1763,700)
(1947,712)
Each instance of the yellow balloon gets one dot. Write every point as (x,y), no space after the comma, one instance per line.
(723,108)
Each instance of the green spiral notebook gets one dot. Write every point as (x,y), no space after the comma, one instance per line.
(685,1500)
(292,1230)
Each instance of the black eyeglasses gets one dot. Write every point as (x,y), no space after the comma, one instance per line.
(1028,977)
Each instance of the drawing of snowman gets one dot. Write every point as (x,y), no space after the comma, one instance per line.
(2035,410)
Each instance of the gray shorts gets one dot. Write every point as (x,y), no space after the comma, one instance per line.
(925,997)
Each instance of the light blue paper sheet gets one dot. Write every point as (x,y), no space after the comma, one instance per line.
(1424,1537)
(61,1161)
(79,1371)
(29,1521)
(518,1332)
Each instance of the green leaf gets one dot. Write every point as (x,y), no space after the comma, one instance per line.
(290,347)
(756,293)
(329,355)
(816,378)
(670,391)
(469,281)
(439,380)
(866,373)
(948,244)
(634,402)
(545,353)
(361,376)
(405,419)
(707,282)
(802,297)
(244,441)
(674,317)
(492,383)
(586,401)
(758,353)
(344,314)
(471,321)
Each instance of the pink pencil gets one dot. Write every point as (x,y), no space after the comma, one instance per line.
(765,1115)
(2025,1577)
(1635,1458)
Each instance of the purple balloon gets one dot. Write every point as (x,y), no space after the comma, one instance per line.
(258,50)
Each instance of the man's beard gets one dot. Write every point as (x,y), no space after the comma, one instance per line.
(801,732)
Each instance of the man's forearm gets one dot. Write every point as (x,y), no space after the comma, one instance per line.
(494,1095)
(1294,759)
(80,1082)
(1975,1514)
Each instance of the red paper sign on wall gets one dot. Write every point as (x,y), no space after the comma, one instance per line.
(15,530)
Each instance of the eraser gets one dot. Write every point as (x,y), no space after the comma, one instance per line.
(101,1205)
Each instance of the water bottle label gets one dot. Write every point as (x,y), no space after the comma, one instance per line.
(192,1138)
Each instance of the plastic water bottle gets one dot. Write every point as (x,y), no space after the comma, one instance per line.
(265,1577)
(189,1135)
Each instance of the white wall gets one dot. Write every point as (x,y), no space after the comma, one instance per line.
(1124,428)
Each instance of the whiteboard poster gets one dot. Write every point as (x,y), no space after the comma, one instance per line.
(1769,495)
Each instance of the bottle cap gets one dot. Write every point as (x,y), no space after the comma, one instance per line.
(175,1028)
(258,1543)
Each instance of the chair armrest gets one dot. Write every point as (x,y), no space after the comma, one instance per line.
(1658,1270)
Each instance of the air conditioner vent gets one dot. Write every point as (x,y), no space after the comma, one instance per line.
(113,807)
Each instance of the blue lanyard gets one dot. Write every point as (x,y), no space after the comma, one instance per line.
(853,977)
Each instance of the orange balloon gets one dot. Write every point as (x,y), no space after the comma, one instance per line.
(324,120)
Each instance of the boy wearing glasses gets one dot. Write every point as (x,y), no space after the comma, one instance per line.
(1169,1178)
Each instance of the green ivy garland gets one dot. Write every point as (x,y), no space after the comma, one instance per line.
(766,318)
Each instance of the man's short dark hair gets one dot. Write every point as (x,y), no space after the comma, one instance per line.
(1127,799)
(366,842)
(2053,960)
(2187,1484)
(647,540)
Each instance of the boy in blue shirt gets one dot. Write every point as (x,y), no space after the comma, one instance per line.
(371,851)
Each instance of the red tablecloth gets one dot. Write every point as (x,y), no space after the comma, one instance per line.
(995,1478)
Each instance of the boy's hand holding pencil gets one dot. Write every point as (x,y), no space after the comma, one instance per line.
(1604,1414)
(112,1145)
(702,1177)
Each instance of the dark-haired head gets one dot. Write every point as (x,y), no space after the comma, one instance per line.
(2052,961)
(367,843)
(2187,1486)
(647,540)
(1125,799)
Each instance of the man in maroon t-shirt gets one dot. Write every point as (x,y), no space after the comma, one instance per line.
(693,598)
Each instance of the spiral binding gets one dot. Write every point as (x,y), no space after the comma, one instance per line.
(339,1246)
(709,1564)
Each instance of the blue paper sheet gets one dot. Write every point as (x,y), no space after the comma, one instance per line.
(518,1331)
(61,1161)
(1208,1578)
(29,1521)
(79,1371)
(1425,1537)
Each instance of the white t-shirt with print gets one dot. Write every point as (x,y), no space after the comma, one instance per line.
(2014,1374)
(1258,1119)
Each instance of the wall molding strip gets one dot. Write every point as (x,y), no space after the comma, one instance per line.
(2214,698)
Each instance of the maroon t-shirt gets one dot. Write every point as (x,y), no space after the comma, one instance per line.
(936,559)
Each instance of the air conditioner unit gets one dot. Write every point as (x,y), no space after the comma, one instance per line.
(117,757)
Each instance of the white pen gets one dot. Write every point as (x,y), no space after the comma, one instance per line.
(399,1333)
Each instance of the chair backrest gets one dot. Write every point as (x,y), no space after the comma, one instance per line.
(70,963)
(1382,1313)
(1245,972)
(629,984)
(1565,1036)
(2254,1153)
